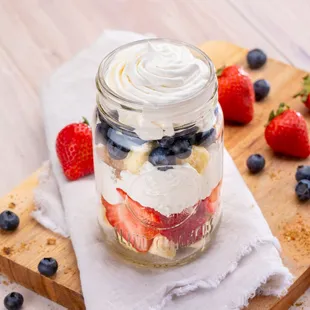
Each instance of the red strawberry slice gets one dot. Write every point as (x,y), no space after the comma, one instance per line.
(191,230)
(127,226)
(146,215)
(212,202)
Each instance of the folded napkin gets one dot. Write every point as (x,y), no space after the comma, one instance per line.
(242,261)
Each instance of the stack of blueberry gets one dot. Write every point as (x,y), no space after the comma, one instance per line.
(166,149)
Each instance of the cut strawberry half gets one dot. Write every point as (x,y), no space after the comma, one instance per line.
(128,227)
(211,203)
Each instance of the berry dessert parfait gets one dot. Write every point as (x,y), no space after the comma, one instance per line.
(158,151)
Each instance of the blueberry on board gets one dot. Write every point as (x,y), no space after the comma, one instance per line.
(8,220)
(161,157)
(117,151)
(181,148)
(255,163)
(302,190)
(261,88)
(48,266)
(125,141)
(256,58)
(166,141)
(13,301)
(206,138)
(302,173)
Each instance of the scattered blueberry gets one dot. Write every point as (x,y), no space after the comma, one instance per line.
(206,138)
(166,142)
(165,168)
(8,220)
(302,190)
(101,133)
(303,173)
(256,163)
(48,266)
(261,88)
(116,151)
(13,301)
(256,58)
(181,148)
(161,157)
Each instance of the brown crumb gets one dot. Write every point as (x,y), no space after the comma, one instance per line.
(6,283)
(51,241)
(297,234)
(12,205)
(7,250)
(298,304)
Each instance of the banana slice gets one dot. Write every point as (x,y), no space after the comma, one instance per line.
(136,158)
(162,247)
(199,158)
(125,243)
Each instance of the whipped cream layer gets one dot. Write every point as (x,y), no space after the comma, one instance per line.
(168,192)
(168,82)
(157,73)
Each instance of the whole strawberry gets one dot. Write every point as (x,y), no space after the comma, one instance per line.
(287,132)
(74,150)
(236,94)
(305,92)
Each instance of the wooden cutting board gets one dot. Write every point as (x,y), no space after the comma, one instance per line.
(289,220)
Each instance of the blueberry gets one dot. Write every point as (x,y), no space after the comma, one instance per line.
(206,138)
(13,301)
(166,142)
(125,141)
(303,173)
(256,58)
(117,151)
(181,148)
(164,168)
(48,266)
(8,220)
(261,88)
(302,190)
(256,163)
(101,133)
(161,157)
(188,134)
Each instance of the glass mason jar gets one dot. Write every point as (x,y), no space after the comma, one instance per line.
(158,151)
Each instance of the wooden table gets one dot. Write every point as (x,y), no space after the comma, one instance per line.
(36,36)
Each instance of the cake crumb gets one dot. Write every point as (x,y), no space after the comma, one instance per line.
(298,304)
(51,241)
(6,283)
(7,250)
(12,205)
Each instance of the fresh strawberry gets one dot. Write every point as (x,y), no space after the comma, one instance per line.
(305,92)
(74,150)
(287,132)
(236,94)
(191,230)
(146,215)
(128,226)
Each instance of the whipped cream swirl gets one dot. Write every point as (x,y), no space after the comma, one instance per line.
(157,73)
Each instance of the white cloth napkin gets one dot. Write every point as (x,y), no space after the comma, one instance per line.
(242,261)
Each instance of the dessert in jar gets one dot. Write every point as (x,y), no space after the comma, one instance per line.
(158,151)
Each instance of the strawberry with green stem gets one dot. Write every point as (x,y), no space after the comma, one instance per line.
(287,133)
(305,92)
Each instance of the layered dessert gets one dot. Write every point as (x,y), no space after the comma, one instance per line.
(158,156)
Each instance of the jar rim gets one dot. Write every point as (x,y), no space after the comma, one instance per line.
(135,104)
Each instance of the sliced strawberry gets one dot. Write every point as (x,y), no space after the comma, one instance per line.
(191,230)
(128,227)
(146,215)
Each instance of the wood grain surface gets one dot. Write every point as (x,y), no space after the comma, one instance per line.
(21,251)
